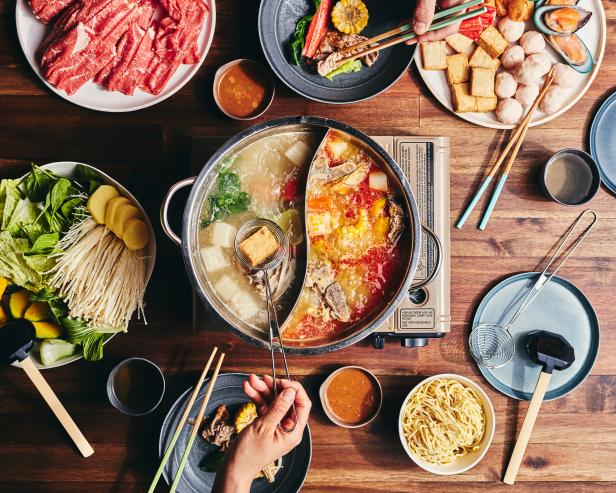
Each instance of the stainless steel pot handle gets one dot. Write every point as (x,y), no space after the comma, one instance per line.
(437,264)
(164,209)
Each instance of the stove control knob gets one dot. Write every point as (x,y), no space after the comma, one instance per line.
(414,341)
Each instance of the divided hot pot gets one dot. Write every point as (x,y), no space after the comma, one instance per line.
(352,256)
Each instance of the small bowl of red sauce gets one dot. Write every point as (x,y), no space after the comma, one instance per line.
(243,89)
(351,396)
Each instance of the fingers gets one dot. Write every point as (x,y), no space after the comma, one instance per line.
(439,33)
(303,404)
(260,391)
(445,4)
(279,408)
(424,12)
(255,397)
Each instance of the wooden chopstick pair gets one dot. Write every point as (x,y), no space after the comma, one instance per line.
(405,32)
(184,419)
(515,142)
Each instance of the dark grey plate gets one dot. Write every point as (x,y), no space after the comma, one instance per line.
(603,143)
(561,308)
(277,19)
(228,391)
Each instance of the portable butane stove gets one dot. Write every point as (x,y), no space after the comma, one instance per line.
(426,312)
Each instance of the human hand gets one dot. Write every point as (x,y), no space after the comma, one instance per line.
(422,18)
(263,441)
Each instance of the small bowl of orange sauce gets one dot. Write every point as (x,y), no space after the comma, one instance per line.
(351,396)
(243,89)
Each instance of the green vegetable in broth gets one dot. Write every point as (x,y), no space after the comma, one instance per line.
(227,199)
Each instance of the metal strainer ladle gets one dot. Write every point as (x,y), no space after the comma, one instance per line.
(269,264)
(492,345)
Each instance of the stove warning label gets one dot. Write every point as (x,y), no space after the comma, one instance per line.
(416,318)
(417,161)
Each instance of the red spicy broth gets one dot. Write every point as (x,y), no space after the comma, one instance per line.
(354,224)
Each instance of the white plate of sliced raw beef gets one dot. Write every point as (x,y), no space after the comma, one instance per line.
(115,55)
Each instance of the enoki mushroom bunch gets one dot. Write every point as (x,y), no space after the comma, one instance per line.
(101,280)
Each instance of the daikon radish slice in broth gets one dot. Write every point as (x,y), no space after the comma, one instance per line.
(214,259)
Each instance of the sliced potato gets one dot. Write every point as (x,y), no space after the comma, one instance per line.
(47,330)
(97,203)
(125,213)
(38,311)
(135,234)
(112,208)
(18,302)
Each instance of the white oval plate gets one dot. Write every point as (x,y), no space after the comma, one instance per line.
(593,34)
(67,168)
(31,33)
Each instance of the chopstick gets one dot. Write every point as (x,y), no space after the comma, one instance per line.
(503,178)
(407,27)
(182,422)
(198,420)
(516,140)
(410,35)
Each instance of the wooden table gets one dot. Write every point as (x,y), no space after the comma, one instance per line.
(573,447)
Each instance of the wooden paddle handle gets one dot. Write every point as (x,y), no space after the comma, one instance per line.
(56,406)
(527,428)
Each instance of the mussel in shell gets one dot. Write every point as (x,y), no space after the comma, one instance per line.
(566,20)
(573,51)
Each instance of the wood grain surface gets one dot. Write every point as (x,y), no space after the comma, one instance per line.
(573,447)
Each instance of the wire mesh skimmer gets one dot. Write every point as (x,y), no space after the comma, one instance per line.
(492,345)
(269,264)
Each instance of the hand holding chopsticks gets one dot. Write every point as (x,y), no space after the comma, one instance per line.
(515,142)
(184,419)
(405,32)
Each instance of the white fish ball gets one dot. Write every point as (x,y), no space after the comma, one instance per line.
(528,73)
(543,60)
(532,42)
(526,95)
(553,100)
(512,57)
(510,29)
(505,85)
(564,76)
(509,111)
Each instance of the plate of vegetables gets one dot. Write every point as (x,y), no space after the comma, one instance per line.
(76,253)
(303,42)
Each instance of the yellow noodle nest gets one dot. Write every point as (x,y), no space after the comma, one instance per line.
(443,420)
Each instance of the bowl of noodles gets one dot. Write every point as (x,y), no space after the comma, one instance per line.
(446,424)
